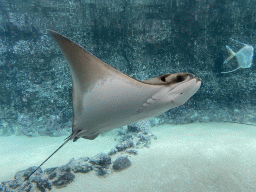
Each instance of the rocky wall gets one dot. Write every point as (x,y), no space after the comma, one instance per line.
(138,37)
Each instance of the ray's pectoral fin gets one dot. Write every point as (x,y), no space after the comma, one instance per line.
(91,137)
(81,133)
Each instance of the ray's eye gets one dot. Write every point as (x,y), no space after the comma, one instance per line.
(179,78)
(163,79)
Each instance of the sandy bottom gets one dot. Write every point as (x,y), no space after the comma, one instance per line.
(18,153)
(195,157)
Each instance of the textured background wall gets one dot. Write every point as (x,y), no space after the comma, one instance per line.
(141,38)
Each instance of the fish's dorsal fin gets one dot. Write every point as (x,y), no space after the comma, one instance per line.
(238,41)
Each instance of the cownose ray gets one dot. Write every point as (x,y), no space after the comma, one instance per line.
(244,56)
(105,98)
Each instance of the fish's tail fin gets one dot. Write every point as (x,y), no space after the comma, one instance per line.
(66,140)
(232,54)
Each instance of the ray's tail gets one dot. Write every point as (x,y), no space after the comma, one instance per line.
(70,137)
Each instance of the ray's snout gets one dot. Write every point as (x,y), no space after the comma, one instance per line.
(192,76)
(198,79)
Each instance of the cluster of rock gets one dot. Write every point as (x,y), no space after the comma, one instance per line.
(60,177)
(136,135)
(130,138)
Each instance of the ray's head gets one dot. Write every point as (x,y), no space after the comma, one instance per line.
(181,86)
(171,79)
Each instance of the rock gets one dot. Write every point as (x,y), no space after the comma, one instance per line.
(85,168)
(101,159)
(126,137)
(81,159)
(3,188)
(102,172)
(16,185)
(142,126)
(48,171)
(12,184)
(63,179)
(120,147)
(133,128)
(124,145)
(26,187)
(122,131)
(112,152)
(71,162)
(61,176)
(121,163)
(129,143)
(132,151)
(22,183)
(80,166)
(143,140)
(24,174)
(42,183)
(143,137)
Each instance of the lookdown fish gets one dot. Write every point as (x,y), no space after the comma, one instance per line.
(244,56)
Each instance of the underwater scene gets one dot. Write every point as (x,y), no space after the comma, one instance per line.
(128,95)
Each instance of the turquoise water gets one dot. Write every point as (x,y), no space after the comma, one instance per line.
(188,148)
